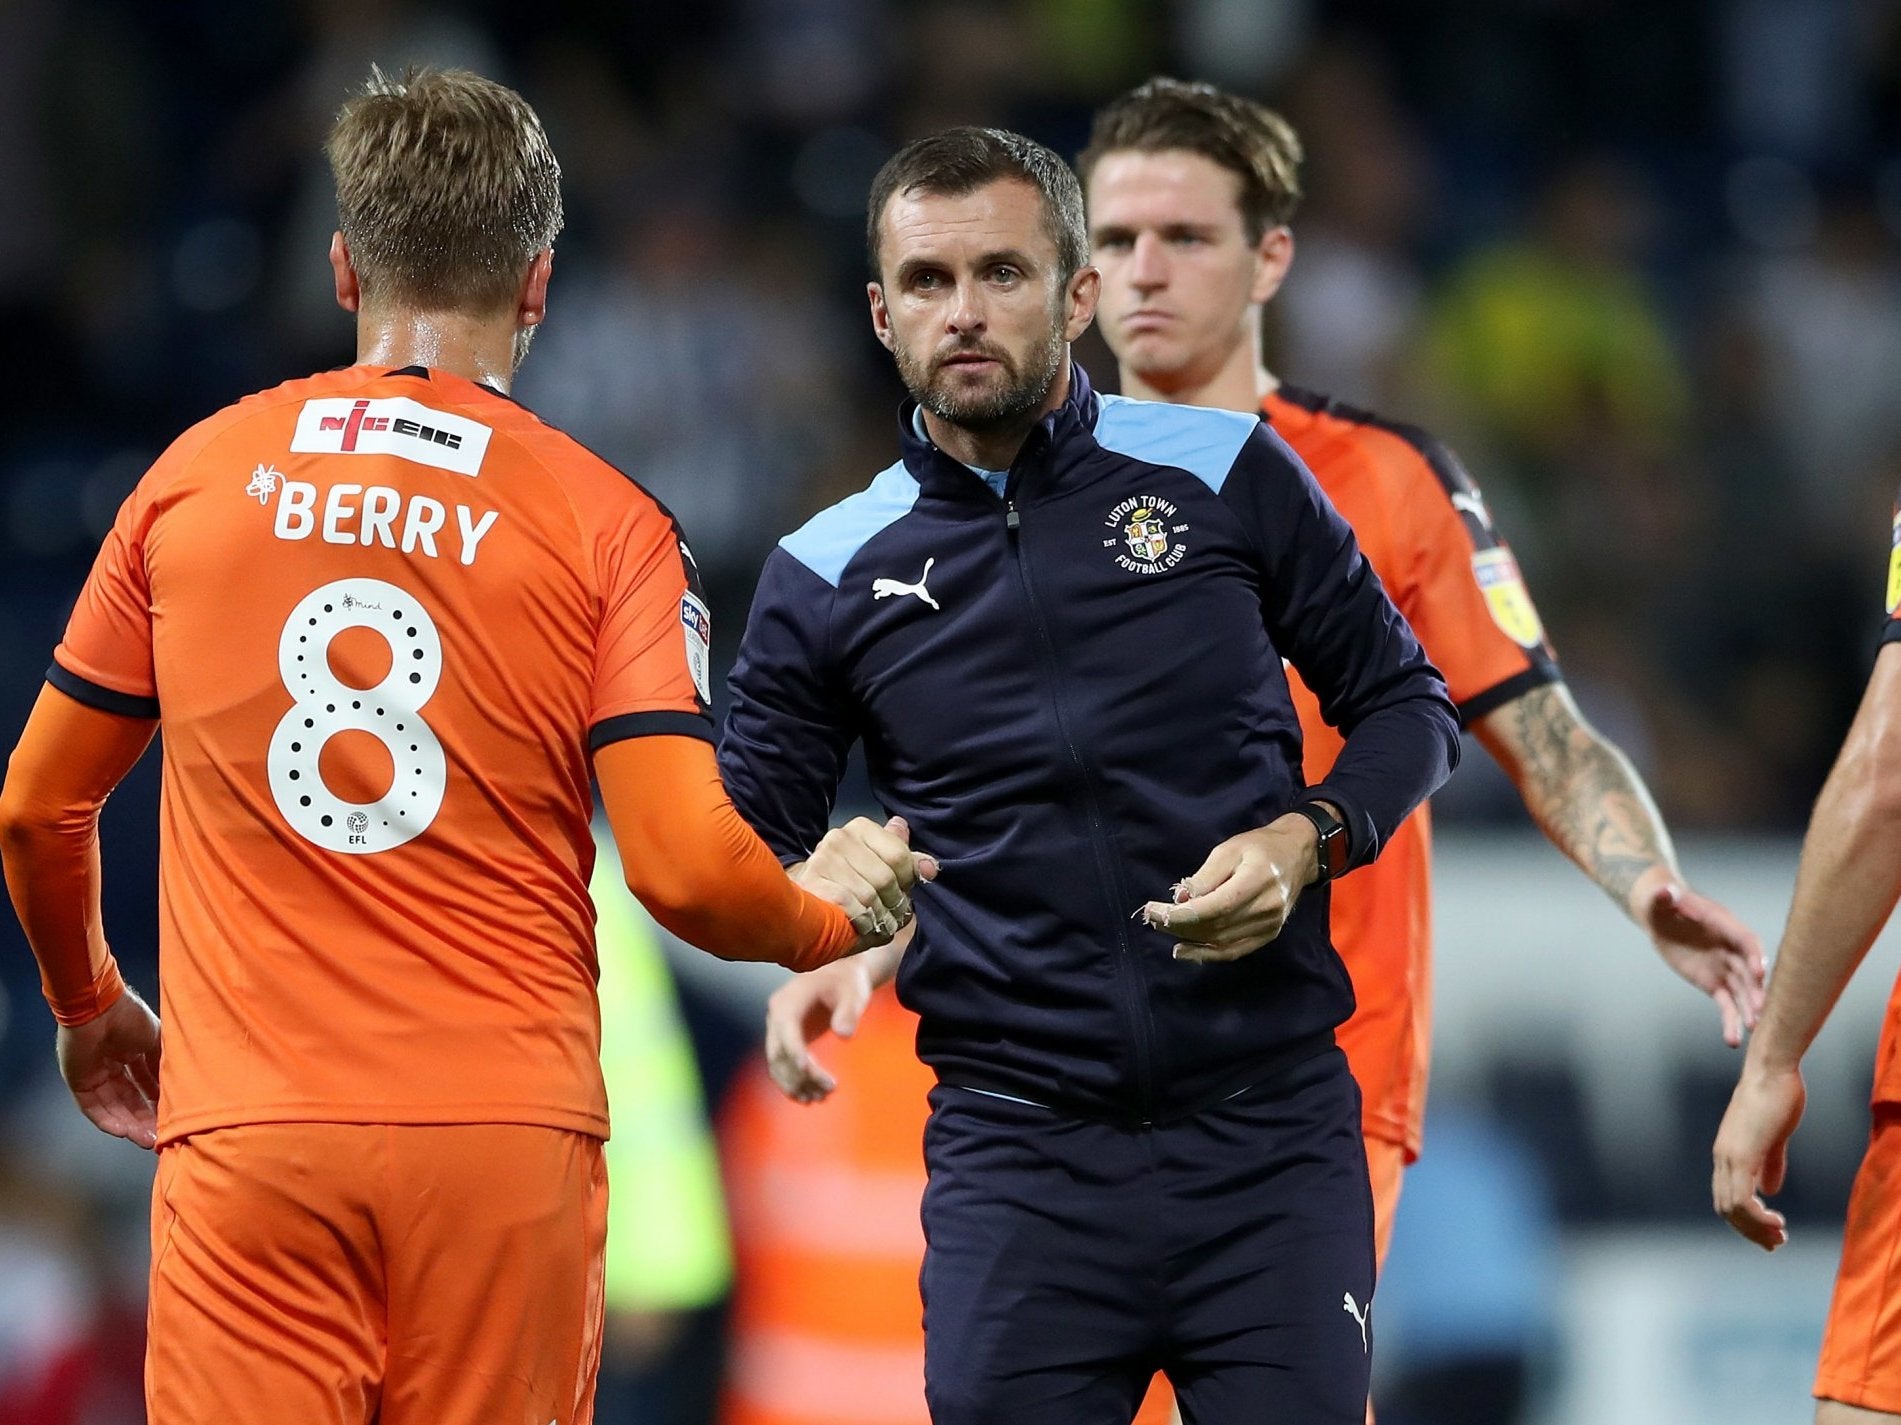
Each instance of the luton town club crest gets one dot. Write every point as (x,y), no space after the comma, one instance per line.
(1149,533)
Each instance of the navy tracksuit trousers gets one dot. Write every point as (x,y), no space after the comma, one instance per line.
(1069,1259)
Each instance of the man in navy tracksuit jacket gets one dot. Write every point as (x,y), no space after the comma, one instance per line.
(1065,667)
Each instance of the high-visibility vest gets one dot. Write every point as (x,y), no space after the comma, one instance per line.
(826,1325)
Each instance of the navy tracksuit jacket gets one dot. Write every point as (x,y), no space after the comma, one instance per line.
(1072,692)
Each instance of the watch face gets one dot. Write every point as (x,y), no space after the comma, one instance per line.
(1335,845)
(1331,848)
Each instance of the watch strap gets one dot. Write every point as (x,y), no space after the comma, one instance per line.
(1332,848)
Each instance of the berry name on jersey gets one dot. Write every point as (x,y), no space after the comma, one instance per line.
(370,514)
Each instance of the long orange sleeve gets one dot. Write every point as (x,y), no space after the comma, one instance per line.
(698,868)
(69,759)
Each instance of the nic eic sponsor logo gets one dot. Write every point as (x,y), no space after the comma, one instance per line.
(360,420)
(393,425)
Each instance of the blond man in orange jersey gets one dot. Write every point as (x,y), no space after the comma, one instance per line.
(389,621)
(1189,192)
(1845,891)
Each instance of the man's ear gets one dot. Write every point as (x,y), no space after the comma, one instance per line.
(880,315)
(531,307)
(1079,302)
(349,290)
(1273,256)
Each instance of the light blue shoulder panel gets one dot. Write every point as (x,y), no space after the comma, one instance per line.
(826,543)
(1201,441)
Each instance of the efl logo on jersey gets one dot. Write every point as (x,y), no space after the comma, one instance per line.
(394,425)
(698,624)
(1148,529)
(1507,597)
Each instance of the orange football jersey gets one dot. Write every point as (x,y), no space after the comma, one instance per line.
(1423,526)
(383,616)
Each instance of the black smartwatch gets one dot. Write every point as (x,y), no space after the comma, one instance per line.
(1332,848)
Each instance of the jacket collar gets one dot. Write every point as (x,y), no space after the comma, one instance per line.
(1057,442)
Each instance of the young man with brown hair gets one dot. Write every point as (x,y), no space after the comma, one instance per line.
(1190,191)
(1058,623)
(389,622)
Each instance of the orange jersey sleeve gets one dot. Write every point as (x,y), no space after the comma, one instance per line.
(699,868)
(1462,590)
(1428,533)
(652,659)
(68,760)
(105,659)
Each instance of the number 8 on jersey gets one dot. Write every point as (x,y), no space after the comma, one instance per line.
(391,712)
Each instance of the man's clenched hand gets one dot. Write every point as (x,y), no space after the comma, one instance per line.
(1242,895)
(869,871)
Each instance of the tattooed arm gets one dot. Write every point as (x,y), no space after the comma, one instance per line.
(1588,799)
(1582,791)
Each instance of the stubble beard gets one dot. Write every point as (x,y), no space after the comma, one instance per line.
(1017,397)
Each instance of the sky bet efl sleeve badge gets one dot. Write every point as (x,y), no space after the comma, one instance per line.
(698,626)
(1507,597)
(1894,568)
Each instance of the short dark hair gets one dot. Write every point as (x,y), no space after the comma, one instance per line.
(1247,138)
(446,189)
(962,160)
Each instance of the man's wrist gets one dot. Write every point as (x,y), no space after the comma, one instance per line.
(1643,890)
(1766,1059)
(106,990)
(1330,854)
(881,963)
(1311,870)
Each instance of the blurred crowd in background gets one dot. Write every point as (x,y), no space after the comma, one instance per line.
(1640,263)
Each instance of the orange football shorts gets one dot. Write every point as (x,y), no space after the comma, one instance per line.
(336,1274)
(1861,1345)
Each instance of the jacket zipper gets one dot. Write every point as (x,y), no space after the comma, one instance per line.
(1134,1010)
